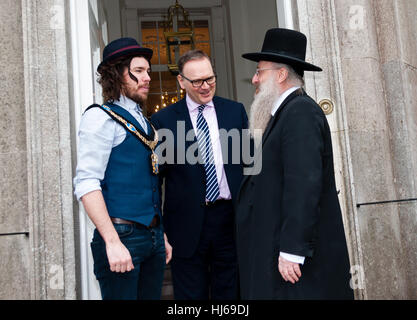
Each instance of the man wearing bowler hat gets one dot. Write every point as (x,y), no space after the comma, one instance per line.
(290,237)
(117,178)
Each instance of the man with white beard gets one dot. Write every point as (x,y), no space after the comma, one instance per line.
(290,236)
(267,94)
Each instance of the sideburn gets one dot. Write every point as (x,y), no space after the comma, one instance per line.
(132,76)
(126,64)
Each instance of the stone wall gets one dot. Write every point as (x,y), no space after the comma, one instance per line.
(35,150)
(47,97)
(397,44)
(371,79)
(14,218)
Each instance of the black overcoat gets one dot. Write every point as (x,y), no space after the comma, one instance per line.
(292,206)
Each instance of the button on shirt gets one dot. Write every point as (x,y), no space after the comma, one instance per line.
(98,135)
(209,114)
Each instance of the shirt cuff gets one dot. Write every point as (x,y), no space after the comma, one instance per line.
(86,186)
(292,257)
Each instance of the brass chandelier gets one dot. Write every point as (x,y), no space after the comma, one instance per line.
(175,39)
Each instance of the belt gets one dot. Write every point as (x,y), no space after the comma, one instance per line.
(154,223)
(217,202)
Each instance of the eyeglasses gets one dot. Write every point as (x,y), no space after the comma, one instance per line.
(199,82)
(259,70)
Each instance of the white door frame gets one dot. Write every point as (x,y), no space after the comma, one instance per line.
(86,92)
(285,14)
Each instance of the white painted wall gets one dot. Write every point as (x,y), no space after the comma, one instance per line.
(248,22)
(88,27)
(285,14)
(112,9)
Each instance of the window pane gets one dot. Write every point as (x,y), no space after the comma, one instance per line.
(184,49)
(150,39)
(163,91)
(154,101)
(205,47)
(149,31)
(154,47)
(155,83)
(169,98)
(201,31)
(163,53)
(169,82)
(161,32)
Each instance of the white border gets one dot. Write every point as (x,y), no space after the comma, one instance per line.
(83,89)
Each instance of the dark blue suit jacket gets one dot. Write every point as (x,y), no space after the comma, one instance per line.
(185,183)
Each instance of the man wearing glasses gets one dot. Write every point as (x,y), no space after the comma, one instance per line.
(198,206)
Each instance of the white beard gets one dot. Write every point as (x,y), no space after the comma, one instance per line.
(260,112)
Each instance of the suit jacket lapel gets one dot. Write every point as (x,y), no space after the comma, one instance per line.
(184,115)
(218,105)
(222,124)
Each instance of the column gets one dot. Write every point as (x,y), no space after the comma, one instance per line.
(48,138)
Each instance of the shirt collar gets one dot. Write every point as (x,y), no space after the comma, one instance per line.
(192,105)
(281,99)
(127,103)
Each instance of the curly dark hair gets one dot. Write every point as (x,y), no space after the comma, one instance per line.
(111,78)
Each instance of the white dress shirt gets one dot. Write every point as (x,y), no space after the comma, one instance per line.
(277,105)
(282,98)
(210,115)
(98,135)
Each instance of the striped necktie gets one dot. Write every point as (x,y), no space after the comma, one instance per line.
(204,143)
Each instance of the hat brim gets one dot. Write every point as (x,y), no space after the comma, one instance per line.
(280,58)
(144,52)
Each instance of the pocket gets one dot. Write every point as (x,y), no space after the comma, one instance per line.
(123,230)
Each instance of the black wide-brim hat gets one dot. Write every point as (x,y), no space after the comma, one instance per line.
(284,46)
(124,47)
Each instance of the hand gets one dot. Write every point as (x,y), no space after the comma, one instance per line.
(168,249)
(290,271)
(119,257)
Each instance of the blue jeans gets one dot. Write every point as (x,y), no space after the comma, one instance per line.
(147,249)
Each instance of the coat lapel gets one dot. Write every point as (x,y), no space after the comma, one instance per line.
(184,115)
(275,118)
(222,123)
(269,128)
(221,119)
